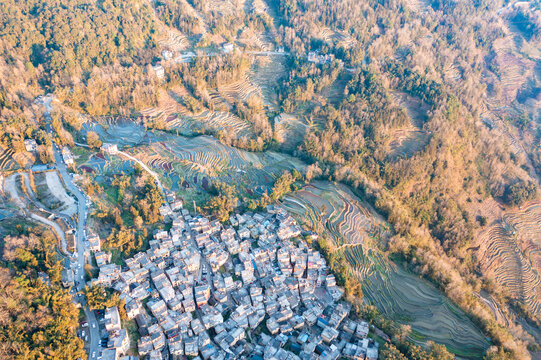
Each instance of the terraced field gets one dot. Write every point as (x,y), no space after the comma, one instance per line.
(266,74)
(6,159)
(290,130)
(405,142)
(196,161)
(240,90)
(120,131)
(212,120)
(328,35)
(357,230)
(510,252)
(513,69)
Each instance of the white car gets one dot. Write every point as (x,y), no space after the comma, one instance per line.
(93,325)
(94,355)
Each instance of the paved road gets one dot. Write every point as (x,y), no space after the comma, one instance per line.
(79,265)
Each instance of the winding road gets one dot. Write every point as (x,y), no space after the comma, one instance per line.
(79,265)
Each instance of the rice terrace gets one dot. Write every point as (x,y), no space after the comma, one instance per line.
(195,160)
(270,180)
(357,230)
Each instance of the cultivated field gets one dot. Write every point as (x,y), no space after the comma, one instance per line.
(6,159)
(290,130)
(509,251)
(213,121)
(240,90)
(405,142)
(266,74)
(186,162)
(357,230)
(51,192)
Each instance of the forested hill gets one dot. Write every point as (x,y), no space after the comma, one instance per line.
(427,109)
(63,39)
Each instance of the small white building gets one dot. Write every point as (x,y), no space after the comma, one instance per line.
(30,145)
(94,243)
(167,55)
(159,71)
(228,48)
(109,148)
(67,156)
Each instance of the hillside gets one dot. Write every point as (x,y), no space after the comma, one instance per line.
(415,127)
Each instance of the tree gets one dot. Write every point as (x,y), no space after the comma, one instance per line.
(390,352)
(93,140)
(520,192)
(223,202)
(282,185)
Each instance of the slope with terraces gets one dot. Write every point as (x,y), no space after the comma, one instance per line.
(356,230)
(509,252)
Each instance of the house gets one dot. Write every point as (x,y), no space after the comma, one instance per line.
(94,243)
(159,71)
(362,330)
(30,145)
(67,156)
(110,354)
(102,258)
(68,279)
(112,319)
(176,205)
(109,148)
(119,340)
(133,308)
(165,210)
(144,345)
(228,48)
(329,334)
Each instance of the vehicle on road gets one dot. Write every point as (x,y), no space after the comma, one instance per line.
(93,326)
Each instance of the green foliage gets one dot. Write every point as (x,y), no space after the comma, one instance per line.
(67,37)
(520,192)
(223,202)
(37,321)
(99,298)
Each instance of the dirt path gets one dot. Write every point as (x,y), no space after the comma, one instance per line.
(10,186)
(146,168)
(58,191)
(56,229)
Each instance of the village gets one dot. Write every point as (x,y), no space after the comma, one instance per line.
(254,290)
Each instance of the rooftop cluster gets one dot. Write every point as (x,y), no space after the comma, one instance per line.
(254,289)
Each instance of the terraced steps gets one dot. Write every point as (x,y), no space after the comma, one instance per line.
(510,252)
(356,231)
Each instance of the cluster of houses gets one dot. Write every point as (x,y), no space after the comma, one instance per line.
(316,57)
(67,156)
(252,289)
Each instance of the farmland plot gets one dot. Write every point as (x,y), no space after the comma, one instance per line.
(509,251)
(202,159)
(212,121)
(405,142)
(197,161)
(266,74)
(290,130)
(51,192)
(240,90)
(6,159)
(356,230)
